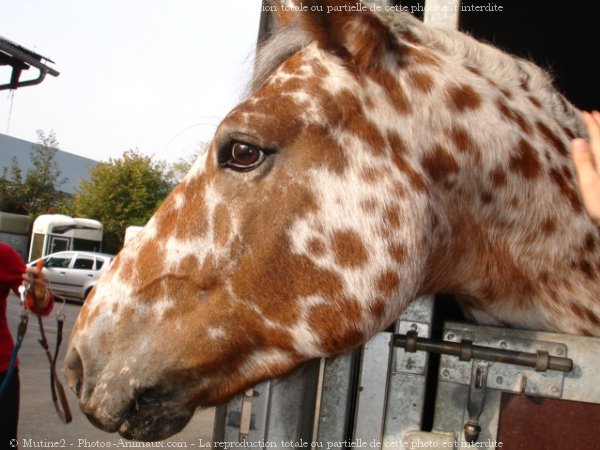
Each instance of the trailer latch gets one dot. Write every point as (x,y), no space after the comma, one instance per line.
(541,361)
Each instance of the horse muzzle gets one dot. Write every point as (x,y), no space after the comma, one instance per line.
(115,402)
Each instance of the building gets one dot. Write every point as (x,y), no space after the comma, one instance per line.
(73,167)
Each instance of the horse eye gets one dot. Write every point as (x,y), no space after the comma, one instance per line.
(243,156)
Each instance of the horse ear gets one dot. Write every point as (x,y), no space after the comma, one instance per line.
(351,30)
(282,16)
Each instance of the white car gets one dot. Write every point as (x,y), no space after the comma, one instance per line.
(73,274)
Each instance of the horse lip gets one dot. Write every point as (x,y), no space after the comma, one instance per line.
(149,416)
(109,427)
(153,424)
(153,417)
(151,430)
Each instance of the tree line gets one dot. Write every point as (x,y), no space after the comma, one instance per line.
(120,192)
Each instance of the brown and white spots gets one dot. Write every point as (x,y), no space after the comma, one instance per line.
(534,101)
(552,139)
(506,93)
(513,115)
(396,143)
(589,244)
(548,226)
(397,95)
(463,141)
(486,197)
(421,81)
(441,166)
(463,98)
(474,70)
(370,175)
(387,283)
(567,189)
(316,248)
(370,206)
(571,134)
(348,249)
(178,200)
(399,151)
(524,161)
(586,314)
(587,269)
(398,252)
(420,57)
(216,333)
(524,82)
(498,177)
(391,217)
(369,135)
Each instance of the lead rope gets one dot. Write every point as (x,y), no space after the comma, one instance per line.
(59,398)
(21,330)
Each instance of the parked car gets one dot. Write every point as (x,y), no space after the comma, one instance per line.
(73,274)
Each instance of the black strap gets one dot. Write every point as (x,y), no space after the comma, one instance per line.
(62,409)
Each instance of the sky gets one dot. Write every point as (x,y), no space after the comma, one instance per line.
(155,75)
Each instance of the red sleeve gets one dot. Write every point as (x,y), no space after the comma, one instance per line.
(12,268)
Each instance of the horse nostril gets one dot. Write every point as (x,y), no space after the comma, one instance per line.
(74,371)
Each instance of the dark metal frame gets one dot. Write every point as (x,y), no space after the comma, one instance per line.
(20,59)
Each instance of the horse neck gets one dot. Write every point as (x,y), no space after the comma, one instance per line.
(506,221)
(518,249)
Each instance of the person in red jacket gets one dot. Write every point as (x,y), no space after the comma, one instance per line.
(12,273)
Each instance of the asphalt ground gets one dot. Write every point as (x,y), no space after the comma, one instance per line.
(39,425)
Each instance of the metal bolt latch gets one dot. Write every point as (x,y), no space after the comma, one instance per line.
(246,416)
(541,361)
(476,401)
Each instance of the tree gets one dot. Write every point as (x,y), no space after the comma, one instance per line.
(42,183)
(122,192)
(11,187)
(38,192)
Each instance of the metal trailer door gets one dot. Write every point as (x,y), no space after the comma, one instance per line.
(364,399)
(519,407)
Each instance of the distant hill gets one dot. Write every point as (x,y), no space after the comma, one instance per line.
(73,167)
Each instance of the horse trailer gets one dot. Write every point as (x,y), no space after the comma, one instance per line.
(55,232)
(14,231)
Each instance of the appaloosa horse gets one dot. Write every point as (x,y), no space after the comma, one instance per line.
(374,160)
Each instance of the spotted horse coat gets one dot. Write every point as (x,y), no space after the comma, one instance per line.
(374,160)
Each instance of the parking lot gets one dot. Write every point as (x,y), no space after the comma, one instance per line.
(39,425)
